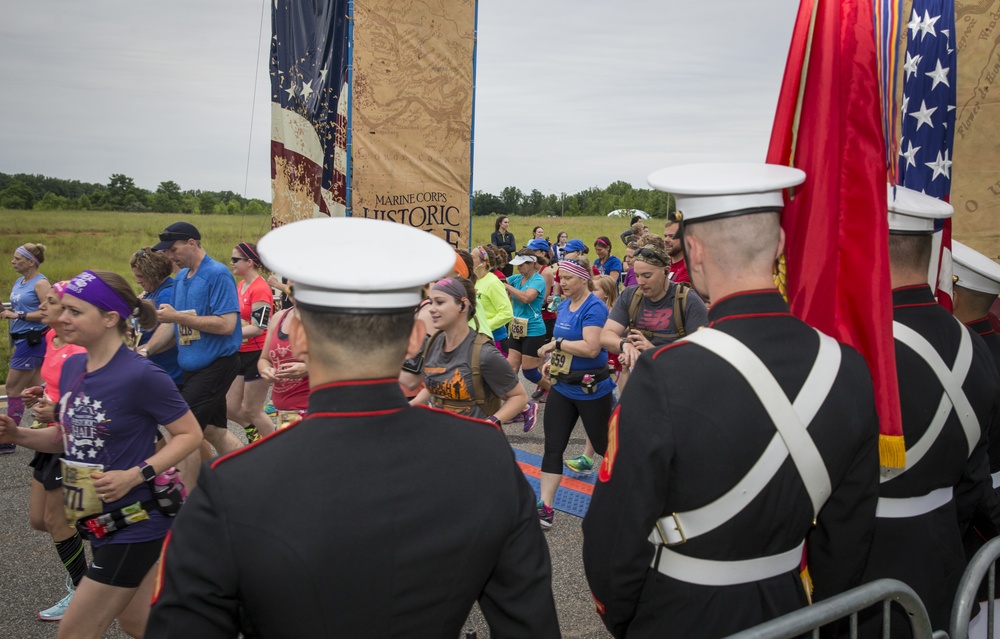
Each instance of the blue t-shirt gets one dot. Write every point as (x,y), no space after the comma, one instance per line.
(569,326)
(531,312)
(110,417)
(212,291)
(24,299)
(167,360)
(611,264)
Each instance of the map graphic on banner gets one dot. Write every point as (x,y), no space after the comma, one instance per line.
(309,56)
(975,191)
(411,114)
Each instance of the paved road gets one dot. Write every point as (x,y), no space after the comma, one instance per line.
(31,577)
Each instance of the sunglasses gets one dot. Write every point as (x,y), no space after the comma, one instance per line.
(143,252)
(234,260)
(649,254)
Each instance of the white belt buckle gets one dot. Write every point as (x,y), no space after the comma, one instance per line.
(665,537)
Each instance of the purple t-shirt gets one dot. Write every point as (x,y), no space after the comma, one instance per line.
(110,417)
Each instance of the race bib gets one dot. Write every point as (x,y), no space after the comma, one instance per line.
(185,334)
(79,496)
(518,328)
(560,363)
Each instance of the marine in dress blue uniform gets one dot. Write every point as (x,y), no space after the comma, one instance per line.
(681,540)
(369,518)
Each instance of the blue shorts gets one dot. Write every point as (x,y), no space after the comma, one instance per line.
(26,358)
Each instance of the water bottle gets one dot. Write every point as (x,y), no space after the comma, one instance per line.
(169,492)
(554,304)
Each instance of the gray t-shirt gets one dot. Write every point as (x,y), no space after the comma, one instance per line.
(658,317)
(448,374)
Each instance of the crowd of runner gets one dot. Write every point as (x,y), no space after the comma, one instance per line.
(124,397)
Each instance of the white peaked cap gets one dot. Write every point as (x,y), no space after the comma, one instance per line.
(974,270)
(912,212)
(706,191)
(331,263)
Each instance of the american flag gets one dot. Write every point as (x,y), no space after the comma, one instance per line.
(309,58)
(928,114)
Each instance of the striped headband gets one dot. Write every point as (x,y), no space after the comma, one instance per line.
(574,268)
(251,254)
(26,254)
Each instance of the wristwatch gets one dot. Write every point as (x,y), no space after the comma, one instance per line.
(559,342)
(148,472)
(494,419)
(22,315)
(621,345)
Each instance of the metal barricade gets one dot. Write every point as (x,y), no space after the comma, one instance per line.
(982,565)
(849,604)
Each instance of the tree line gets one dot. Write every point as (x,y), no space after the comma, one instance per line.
(593,201)
(42,193)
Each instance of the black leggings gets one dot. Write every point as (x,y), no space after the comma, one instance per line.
(561,414)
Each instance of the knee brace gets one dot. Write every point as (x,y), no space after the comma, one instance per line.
(533,375)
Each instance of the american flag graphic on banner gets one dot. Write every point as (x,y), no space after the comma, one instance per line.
(928,114)
(309,57)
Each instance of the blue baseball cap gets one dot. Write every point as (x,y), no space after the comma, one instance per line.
(538,244)
(575,245)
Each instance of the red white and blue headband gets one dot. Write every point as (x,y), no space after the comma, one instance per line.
(574,268)
(88,287)
(26,254)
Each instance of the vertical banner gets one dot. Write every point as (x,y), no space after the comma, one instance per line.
(411,113)
(309,57)
(975,189)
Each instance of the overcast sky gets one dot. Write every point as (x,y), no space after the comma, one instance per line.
(570,94)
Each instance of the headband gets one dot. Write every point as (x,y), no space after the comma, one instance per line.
(602,242)
(461,267)
(90,288)
(574,268)
(250,254)
(482,254)
(26,254)
(60,288)
(452,287)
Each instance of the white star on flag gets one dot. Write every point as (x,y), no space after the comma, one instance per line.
(307,90)
(923,116)
(911,152)
(939,75)
(911,64)
(914,25)
(927,25)
(941,166)
(291,91)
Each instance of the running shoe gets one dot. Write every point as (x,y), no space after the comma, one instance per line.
(530,414)
(581,464)
(540,395)
(270,410)
(7,449)
(251,433)
(546,515)
(56,612)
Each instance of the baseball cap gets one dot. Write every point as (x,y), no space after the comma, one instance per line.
(177,231)
(538,244)
(575,245)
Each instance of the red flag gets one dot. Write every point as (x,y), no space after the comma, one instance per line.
(828,123)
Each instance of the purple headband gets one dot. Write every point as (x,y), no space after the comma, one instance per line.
(26,254)
(251,254)
(452,287)
(574,268)
(90,288)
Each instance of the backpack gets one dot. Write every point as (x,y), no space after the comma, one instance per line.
(489,403)
(679,316)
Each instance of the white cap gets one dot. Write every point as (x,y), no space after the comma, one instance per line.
(912,212)
(705,191)
(329,260)
(974,270)
(521,259)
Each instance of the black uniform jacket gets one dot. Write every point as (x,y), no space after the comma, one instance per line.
(689,428)
(369,518)
(982,528)
(926,552)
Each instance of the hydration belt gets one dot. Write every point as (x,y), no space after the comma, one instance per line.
(791,421)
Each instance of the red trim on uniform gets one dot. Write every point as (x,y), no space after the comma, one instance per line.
(363,413)
(668,346)
(158,584)
(916,305)
(748,316)
(910,286)
(597,604)
(739,293)
(465,417)
(257,443)
(567,482)
(354,382)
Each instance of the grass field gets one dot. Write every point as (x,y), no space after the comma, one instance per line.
(78,240)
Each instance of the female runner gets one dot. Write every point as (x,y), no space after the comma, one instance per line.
(111,402)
